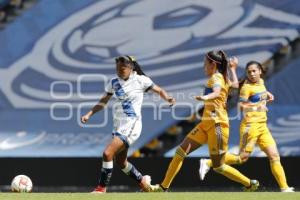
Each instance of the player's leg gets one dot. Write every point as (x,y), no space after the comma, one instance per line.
(247,143)
(218,145)
(131,171)
(233,174)
(276,167)
(230,159)
(111,149)
(206,164)
(127,167)
(131,132)
(175,165)
(191,142)
(268,145)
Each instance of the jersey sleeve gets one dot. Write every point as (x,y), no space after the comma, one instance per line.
(216,81)
(244,93)
(108,88)
(146,83)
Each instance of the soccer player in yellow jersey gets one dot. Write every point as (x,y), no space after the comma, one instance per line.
(214,127)
(253,128)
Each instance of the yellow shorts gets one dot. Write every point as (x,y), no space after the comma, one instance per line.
(215,136)
(255,133)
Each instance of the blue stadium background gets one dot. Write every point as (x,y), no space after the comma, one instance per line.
(45,51)
(55,60)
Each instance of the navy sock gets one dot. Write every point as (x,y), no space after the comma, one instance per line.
(105,177)
(106,173)
(131,171)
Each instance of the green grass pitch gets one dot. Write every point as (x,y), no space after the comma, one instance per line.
(154,196)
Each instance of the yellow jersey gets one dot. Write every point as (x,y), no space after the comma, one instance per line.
(215,109)
(255,94)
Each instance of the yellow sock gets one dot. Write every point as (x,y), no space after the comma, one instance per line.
(233,174)
(209,163)
(278,173)
(174,167)
(230,159)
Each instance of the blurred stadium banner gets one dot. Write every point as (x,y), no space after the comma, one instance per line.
(56,58)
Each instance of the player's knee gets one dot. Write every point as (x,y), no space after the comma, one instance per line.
(216,163)
(272,153)
(181,152)
(219,169)
(217,160)
(244,157)
(107,155)
(121,163)
(274,157)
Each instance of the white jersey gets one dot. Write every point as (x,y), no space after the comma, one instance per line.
(127,108)
(129,94)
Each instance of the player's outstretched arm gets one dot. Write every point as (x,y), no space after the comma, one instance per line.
(233,64)
(163,94)
(99,106)
(215,94)
(250,107)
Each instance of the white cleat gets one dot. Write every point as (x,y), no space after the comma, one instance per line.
(289,189)
(203,169)
(157,188)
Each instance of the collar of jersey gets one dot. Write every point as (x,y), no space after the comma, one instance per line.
(131,76)
(258,83)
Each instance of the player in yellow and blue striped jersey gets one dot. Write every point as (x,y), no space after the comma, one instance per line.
(253,129)
(214,126)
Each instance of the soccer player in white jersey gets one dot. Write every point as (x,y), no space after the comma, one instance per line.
(128,87)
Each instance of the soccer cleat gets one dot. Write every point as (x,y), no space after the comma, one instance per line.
(289,189)
(99,190)
(145,183)
(253,186)
(203,169)
(157,188)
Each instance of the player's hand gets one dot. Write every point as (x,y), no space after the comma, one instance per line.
(85,118)
(270,97)
(200,98)
(171,101)
(233,62)
(263,108)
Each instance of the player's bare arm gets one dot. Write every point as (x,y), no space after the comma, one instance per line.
(233,64)
(270,97)
(163,94)
(251,107)
(99,106)
(215,94)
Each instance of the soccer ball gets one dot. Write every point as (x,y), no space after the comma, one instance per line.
(21,183)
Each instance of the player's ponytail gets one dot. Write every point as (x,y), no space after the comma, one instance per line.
(224,65)
(136,66)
